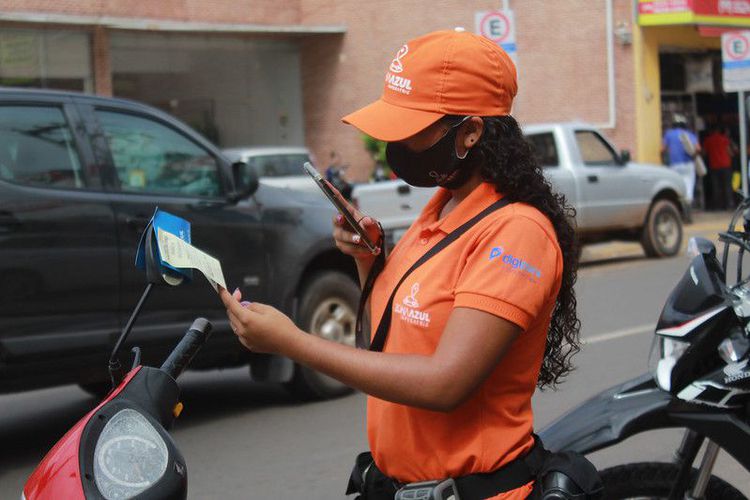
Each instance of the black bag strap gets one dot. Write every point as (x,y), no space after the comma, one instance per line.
(378,341)
(513,475)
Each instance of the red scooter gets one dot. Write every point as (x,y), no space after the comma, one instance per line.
(121,449)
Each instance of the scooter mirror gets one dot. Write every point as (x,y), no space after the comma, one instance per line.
(155,272)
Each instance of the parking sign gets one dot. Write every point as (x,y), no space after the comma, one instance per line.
(735,57)
(498,26)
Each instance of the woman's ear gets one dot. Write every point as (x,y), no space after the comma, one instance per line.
(469,134)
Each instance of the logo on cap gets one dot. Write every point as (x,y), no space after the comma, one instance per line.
(396,65)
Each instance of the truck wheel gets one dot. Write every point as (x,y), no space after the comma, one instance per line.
(662,234)
(328,308)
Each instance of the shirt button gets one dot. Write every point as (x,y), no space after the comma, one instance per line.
(424,241)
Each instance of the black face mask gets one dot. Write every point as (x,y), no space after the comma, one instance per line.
(438,165)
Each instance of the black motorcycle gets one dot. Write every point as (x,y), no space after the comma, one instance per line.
(699,381)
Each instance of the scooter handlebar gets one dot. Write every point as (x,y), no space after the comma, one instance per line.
(189,345)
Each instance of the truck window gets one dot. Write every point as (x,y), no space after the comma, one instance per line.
(278,165)
(37,148)
(544,148)
(594,150)
(151,157)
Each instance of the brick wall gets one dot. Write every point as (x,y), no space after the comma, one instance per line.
(220,11)
(562,59)
(562,54)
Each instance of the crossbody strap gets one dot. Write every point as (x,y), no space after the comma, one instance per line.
(378,341)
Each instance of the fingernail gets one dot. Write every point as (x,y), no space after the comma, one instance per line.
(236,290)
(339,217)
(245,303)
(355,238)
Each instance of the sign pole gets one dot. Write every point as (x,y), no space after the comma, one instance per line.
(743,140)
(735,61)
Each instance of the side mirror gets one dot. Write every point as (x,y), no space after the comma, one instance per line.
(245,178)
(624,157)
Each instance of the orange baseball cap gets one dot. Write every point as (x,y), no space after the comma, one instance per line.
(440,73)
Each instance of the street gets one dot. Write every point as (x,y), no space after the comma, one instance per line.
(243,440)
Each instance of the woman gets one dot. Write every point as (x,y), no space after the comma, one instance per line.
(478,326)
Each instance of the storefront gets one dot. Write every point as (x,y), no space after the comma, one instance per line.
(238,83)
(680,68)
(235,91)
(48,58)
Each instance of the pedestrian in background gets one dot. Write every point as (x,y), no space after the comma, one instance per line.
(678,157)
(719,150)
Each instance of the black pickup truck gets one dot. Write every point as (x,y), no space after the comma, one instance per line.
(80,177)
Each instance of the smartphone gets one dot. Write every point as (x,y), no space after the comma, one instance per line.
(335,198)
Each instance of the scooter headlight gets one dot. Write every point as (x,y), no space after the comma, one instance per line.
(665,352)
(130,456)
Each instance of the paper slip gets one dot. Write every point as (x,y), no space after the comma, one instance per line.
(179,253)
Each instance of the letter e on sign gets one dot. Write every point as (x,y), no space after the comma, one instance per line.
(496,26)
(736,46)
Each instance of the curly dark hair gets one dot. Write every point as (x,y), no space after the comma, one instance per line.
(506,159)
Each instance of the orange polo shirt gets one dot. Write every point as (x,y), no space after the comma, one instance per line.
(510,265)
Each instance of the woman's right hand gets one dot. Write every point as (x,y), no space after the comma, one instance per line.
(347,240)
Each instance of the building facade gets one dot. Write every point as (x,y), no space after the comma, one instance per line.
(283,72)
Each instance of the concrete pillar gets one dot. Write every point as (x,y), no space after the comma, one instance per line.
(102,62)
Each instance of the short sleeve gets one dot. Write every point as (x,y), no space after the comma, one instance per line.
(513,271)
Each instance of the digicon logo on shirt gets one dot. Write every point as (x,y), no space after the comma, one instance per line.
(515,263)
(395,82)
(408,310)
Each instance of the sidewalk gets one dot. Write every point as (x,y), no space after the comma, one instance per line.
(706,224)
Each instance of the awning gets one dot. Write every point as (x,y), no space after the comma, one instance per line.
(724,13)
(141,24)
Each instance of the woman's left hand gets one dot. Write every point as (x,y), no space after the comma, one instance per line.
(259,327)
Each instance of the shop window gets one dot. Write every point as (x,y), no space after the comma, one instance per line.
(544,148)
(594,150)
(236,92)
(37,148)
(46,59)
(152,157)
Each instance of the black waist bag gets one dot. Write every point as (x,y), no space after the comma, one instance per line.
(564,475)
(567,475)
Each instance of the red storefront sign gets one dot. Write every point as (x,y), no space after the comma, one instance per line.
(702,12)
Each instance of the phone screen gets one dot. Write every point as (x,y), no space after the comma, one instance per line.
(336,198)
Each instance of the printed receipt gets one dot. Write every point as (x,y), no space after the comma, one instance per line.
(179,253)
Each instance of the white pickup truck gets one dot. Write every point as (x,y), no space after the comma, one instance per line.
(614,198)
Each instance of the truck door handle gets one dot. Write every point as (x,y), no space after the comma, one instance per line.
(593,178)
(403,189)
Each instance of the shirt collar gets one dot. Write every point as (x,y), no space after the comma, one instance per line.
(480,198)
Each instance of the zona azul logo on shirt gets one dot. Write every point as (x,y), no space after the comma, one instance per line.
(409,310)
(515,263)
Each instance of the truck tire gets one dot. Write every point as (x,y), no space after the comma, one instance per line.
(662,234)
(327,308)
(654,480)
